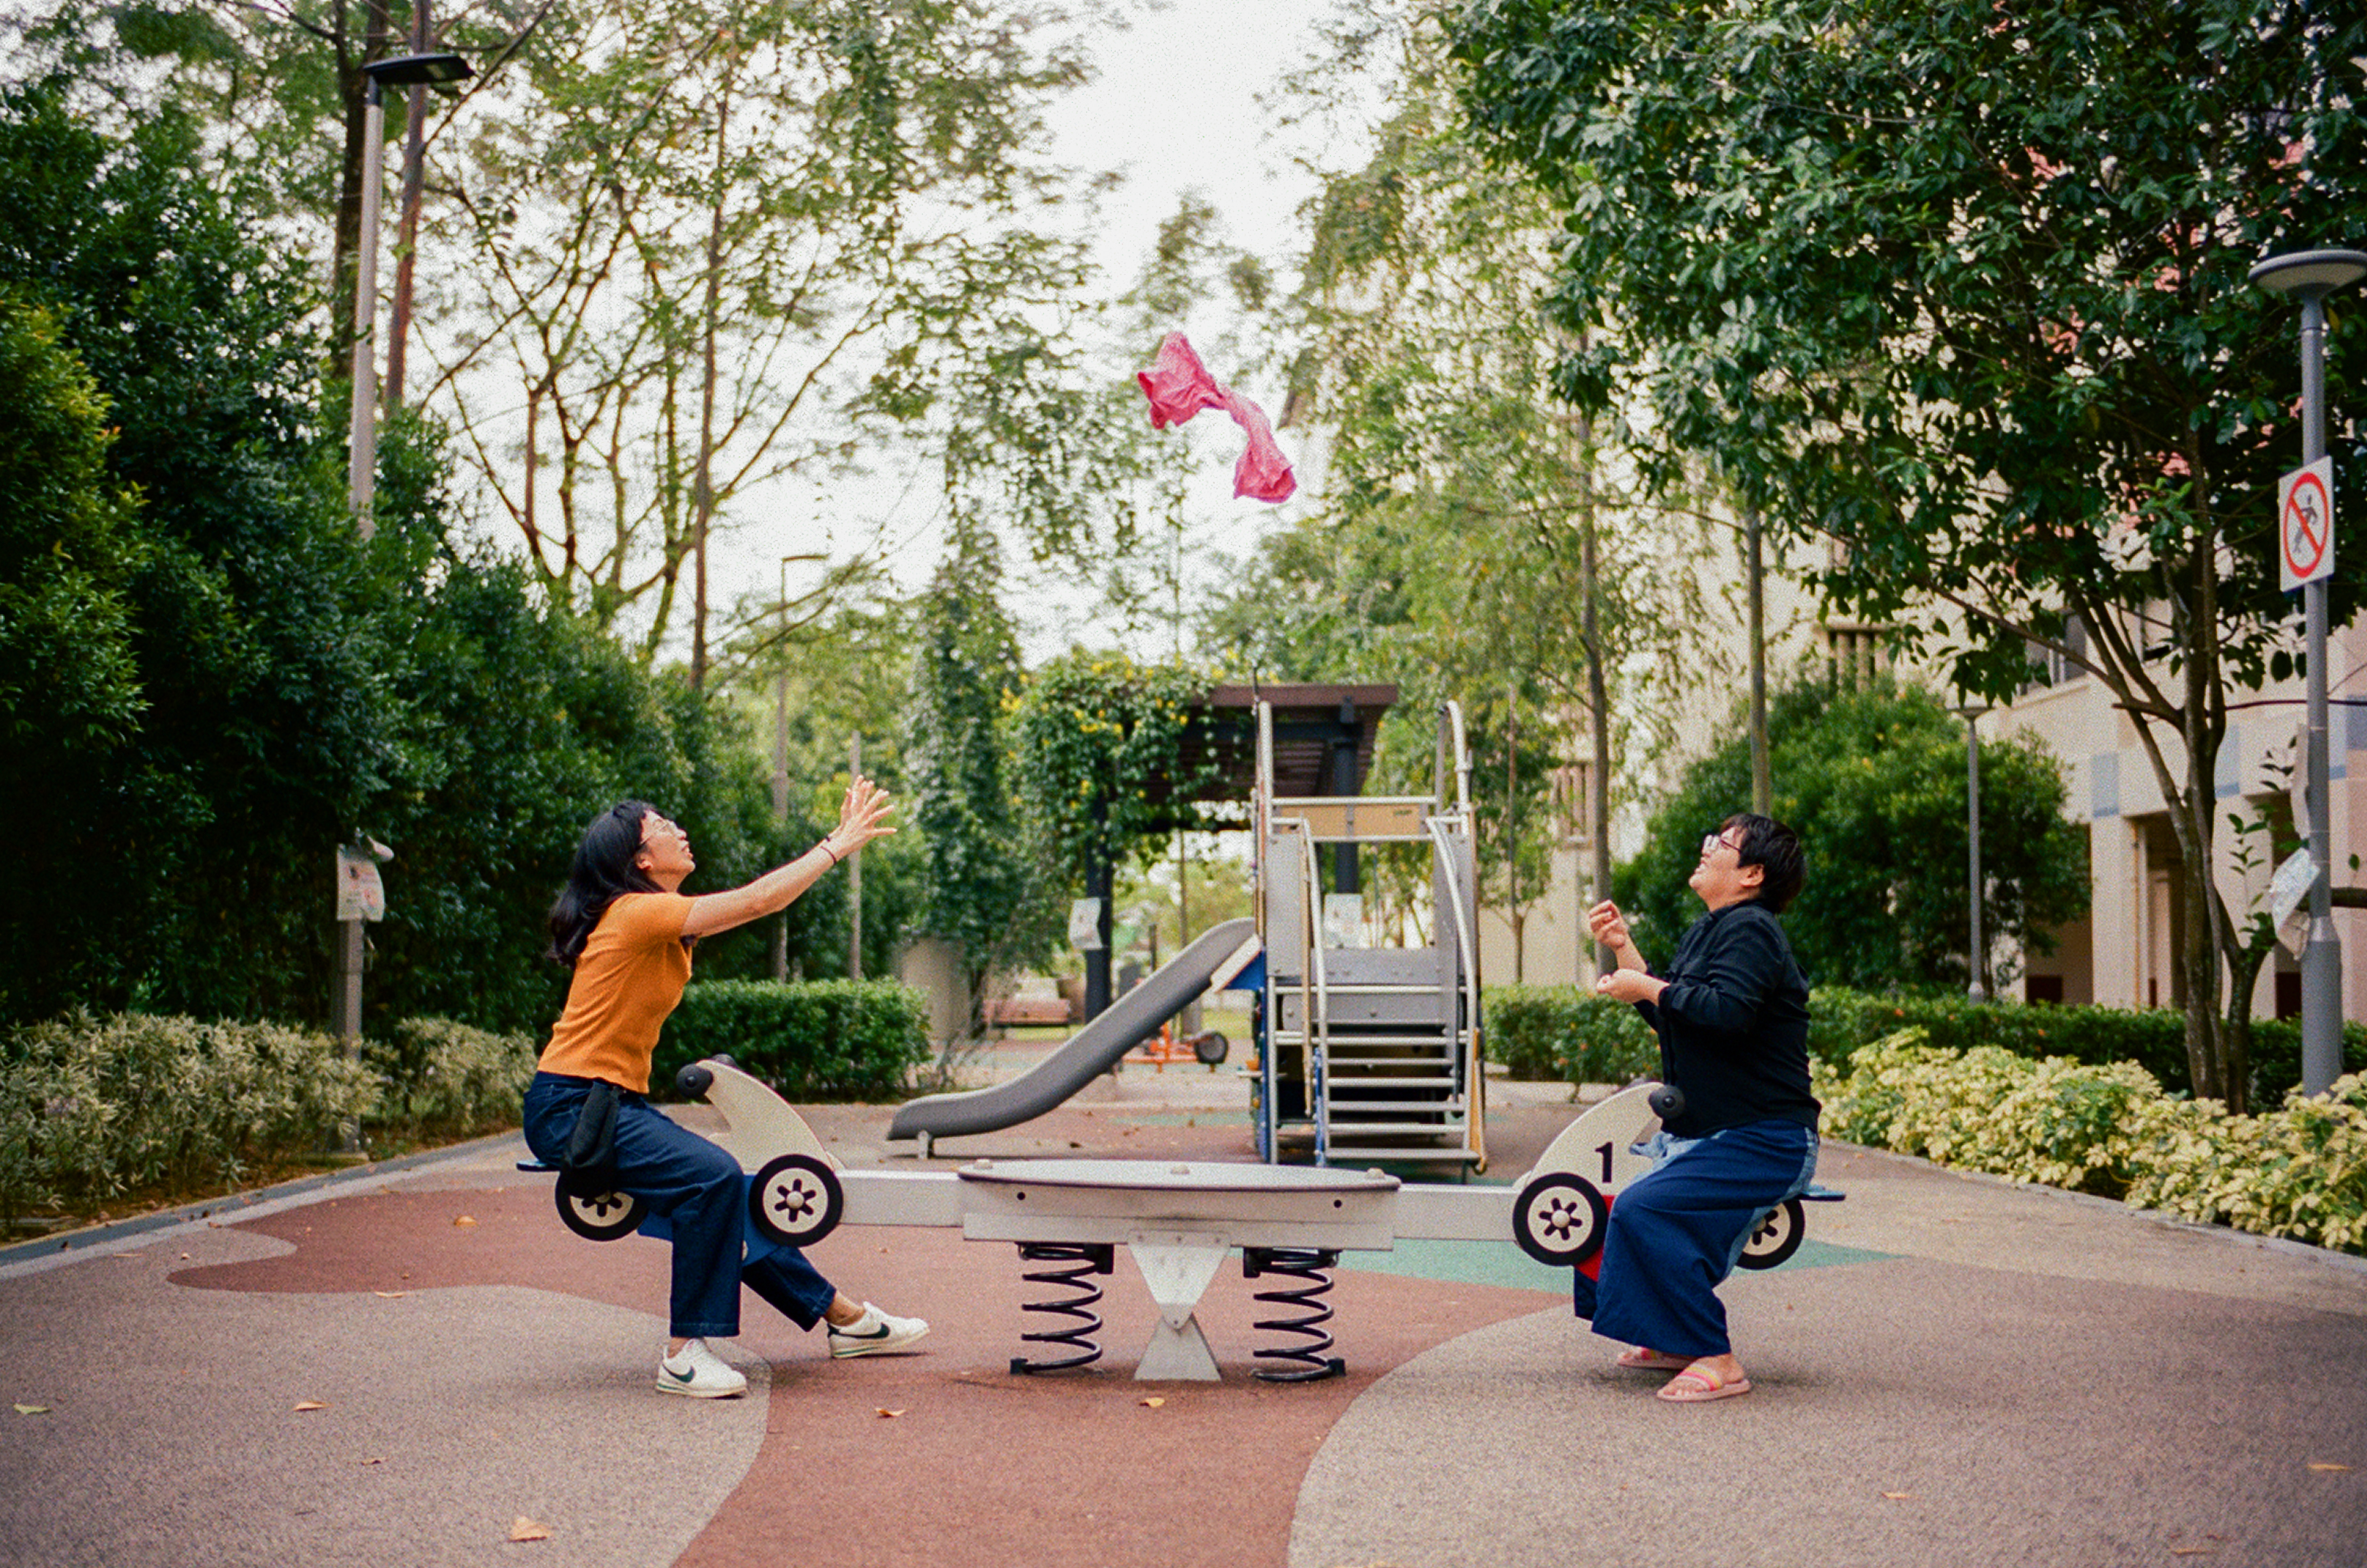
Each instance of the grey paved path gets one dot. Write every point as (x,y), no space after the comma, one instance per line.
(1955,1370)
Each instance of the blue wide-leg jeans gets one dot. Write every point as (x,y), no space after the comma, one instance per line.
(698,1195)
(1676,1231)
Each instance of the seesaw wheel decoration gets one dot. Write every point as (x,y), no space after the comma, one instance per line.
(795,1200)
(694,1079)
(1209,1046)
(1559,1220)
(599,1216)
(1780,1233)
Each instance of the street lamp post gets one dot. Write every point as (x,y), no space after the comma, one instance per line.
(1978,947)
(2310,277)
(407,71)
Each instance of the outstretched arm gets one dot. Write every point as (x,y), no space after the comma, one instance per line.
(862,817)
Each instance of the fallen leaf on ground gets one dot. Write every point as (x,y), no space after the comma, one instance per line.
(523,1529)
(1898,1496)
(2329,1467)
(2191,1551)
(314,1405)
(470,1220)
(389,1295)
(375,1459)
(1153,1404)
(889,1414)
(32,1410)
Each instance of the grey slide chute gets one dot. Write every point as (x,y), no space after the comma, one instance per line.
(1087,1054)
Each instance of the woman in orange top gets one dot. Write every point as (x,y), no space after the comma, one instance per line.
(624,926)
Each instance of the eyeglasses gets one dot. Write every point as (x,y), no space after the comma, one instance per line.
(653,824)
(1713,842)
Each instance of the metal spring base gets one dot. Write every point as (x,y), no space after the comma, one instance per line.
(1086,1259)
(1299,1363)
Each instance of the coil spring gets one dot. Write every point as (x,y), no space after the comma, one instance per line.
(1299,1363)
(1081,1260)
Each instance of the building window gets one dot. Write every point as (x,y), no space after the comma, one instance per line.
(1856,654)
(2050,668)
(1574,798)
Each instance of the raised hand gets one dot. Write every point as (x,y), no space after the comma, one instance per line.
(863,816)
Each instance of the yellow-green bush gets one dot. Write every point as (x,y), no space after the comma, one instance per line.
(441,1077)
(2299,1171)
(92,1106)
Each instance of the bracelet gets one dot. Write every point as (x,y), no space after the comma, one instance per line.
(824,848)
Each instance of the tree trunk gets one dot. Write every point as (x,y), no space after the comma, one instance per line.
(1597,703)
(414,179)
(1762,778)
(353,87)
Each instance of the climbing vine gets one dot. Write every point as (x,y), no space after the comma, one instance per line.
(1101,756)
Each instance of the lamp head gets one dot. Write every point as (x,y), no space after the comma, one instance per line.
(2310,275)
(417,71)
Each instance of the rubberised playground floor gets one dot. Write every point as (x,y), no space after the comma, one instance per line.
(402,1367)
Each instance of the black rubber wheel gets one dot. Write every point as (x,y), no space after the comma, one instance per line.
(795,1200)
(1668,1101)
(1559,1220)
(1210,1046)
(599,1216)
(1779,1236)
(694,1079)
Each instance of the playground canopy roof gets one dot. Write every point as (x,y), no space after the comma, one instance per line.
(1323,737)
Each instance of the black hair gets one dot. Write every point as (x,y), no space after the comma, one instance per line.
(605,867)
(1775,850)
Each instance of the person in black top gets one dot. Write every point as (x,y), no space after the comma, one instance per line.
(1732,1016)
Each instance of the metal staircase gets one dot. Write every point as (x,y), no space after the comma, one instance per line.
(1370,1054)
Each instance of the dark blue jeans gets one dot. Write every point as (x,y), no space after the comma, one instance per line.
(701,1195)
(1676,1231)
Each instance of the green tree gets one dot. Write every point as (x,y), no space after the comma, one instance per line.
(1963,290)
(696,249)
(219,683)
(69,682)
(1474,540)
(975,880)
(1873,782)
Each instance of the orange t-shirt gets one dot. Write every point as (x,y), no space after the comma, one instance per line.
(629,978)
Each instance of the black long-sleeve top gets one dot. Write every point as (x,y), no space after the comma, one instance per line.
(1733,1024)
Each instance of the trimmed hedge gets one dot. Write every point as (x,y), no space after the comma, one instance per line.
(1570,1033)
(813,1041)
(442,1079)
(91,1107)
(1567,1033)
(2299,1171)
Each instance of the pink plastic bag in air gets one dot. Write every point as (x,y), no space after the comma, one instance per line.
(1179,386)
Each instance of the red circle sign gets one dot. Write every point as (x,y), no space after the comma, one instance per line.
(2306,529)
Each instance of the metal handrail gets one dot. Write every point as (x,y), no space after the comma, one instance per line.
(1314,997)
(1475,1120)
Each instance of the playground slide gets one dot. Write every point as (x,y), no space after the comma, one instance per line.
(1088,1052)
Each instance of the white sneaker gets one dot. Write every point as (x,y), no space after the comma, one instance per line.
(699,1372)
(876,1333)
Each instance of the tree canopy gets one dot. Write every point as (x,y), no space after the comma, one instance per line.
(1961,289)
(1875,783)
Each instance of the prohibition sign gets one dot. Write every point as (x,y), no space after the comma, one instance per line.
(2305,524)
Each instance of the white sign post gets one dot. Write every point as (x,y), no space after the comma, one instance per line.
(2305,524)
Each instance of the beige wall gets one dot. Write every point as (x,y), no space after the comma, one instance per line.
(2122,954)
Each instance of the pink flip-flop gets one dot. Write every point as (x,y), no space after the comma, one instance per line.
(1640,1359)
(1697,1385)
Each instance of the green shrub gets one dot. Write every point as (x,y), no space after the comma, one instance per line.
(446,1079)
(91,1107)
(2300,1171)
(817,1040)
(1545,1032)
(1840,1021)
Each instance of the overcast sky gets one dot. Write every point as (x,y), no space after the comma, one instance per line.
(1174,107)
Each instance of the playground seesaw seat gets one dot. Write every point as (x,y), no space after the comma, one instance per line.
(1179,1220)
